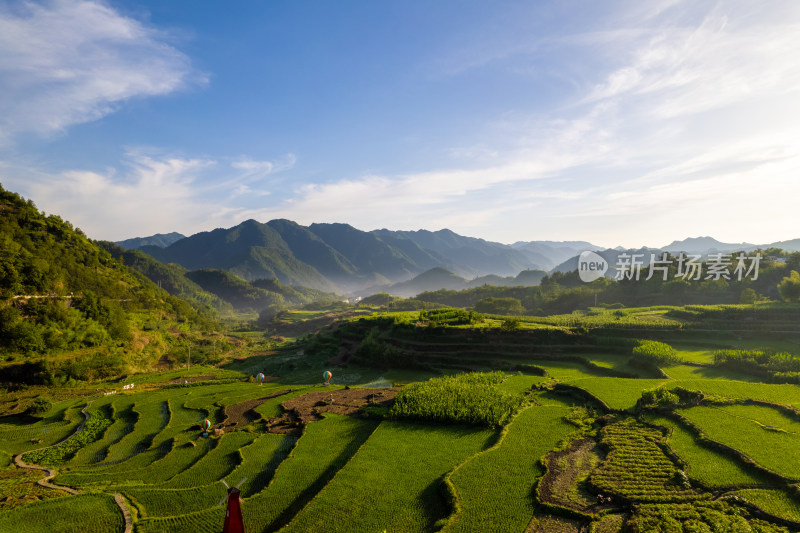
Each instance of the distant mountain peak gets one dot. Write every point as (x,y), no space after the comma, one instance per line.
(705,244)
(161,240)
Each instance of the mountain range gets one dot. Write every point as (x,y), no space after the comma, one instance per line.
(342,259)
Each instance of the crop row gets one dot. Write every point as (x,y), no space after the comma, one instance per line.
(710,516)
(255,462)
(324,448)
(774,501)
(636,468)
(123,419)
(206,521)
(59,424)
(394,481)
(711,468)
(70,514)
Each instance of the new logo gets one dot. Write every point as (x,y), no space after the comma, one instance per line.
(591,266)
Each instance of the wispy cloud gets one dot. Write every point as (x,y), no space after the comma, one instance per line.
(252,169)
(65,62)
(730,55)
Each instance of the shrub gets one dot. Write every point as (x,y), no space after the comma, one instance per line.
(40,406)
(472,398)
(500,306)
(659,397)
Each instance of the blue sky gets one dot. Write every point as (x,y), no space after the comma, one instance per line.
(622,122)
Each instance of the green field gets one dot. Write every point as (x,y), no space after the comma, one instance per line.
(775,502)
(512,464)
(616,393)
(709,467)
(483,417)
(396,455)
(773,449)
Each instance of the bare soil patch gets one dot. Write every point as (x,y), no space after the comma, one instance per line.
(243,413)
(566,470)
(310,407)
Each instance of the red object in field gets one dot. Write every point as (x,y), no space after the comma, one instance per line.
(233,516)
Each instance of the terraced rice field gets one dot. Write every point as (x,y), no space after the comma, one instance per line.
(773,448)
(616,393)
(378,473)
(705,465)
(494,487)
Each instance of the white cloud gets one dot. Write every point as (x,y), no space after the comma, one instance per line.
(252,169)
(150,192)
(697,121)
(691,129)
(154,194)
(65,62)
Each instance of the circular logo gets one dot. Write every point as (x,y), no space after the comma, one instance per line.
(591,266)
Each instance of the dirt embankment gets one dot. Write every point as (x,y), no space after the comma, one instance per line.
(310,407)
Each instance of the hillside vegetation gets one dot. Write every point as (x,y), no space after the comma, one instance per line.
(61,293)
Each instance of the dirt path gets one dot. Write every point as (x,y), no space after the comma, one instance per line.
(51,472)
(125,512)
(45,481)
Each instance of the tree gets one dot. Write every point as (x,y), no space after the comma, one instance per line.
(748,296)
(511,324)
(500,306)
(789,287)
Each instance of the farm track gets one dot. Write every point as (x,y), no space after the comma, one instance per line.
(52,472)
